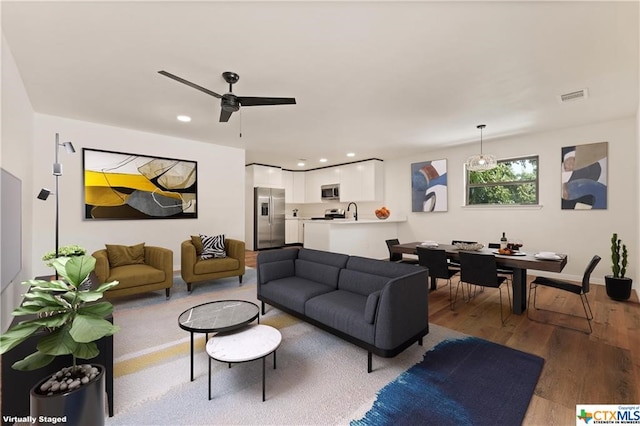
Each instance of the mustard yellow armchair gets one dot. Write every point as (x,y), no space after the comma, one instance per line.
(137,273)
(194,269)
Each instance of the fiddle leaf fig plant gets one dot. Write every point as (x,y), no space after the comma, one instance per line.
(68,308)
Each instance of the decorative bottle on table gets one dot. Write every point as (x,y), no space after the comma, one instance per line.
(503,242)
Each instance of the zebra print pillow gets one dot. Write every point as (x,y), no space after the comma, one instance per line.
(212,247)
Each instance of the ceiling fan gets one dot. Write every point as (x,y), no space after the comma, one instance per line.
(229,102)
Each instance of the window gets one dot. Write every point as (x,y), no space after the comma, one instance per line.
(513,182)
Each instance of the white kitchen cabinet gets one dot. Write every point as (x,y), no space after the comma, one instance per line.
(301,231)
(362,181)
(293,186)
(298,195)
(291,231)
(314,179)
(287,183)
(312,186)
(264,176)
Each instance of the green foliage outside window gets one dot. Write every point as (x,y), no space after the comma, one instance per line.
(513,182)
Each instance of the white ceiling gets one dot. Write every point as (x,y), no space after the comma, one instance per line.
(381,79)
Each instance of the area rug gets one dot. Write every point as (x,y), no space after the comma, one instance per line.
(319,380)
(466,381)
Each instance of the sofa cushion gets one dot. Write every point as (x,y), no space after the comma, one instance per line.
(293,292)
(276,270)
(378,267)
(371,307)
(344,311)
(326,258)
(197,243)
(319,272)
(119,255)
(133,275)
(360,282)
(212,246)
(208,266)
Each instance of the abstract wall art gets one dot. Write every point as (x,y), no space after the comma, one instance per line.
(584,176)
(429,186)
(118,185)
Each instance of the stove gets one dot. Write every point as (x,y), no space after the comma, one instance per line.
(330,214)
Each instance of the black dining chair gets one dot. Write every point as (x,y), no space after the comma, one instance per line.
(503,270)
(436,261)
(481,270)
(398,257)
(456,263)
(579,289)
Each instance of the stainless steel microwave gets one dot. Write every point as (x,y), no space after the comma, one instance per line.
(330,192)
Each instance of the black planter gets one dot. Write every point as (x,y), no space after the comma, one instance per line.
(82,406)
(618,288)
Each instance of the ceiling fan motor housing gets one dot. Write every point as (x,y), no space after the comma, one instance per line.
(230,102)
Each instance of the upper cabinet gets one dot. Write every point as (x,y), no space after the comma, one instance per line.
(294,187)
(363,181)
(360,181)
(264,176)
(314,179)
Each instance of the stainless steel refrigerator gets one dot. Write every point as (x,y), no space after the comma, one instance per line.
(268,218)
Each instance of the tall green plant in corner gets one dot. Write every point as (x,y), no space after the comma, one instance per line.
(67,309)
(618,285)
(618,267)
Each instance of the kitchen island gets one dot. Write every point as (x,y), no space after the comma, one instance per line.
(363,237)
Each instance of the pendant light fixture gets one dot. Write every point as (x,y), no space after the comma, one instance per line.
(482,162)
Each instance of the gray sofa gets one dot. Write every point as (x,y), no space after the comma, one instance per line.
(378,305)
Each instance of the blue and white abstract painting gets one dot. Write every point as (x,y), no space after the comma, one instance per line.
(429,186)
(584,176)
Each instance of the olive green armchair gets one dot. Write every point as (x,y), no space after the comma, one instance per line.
(141,273)
(194,269)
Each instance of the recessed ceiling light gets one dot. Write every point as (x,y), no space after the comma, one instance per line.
(184,118)
(323,160)
(351,154)
(301,162)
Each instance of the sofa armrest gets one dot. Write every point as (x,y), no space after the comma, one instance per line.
(403,309)
(235,249)
(160,258)
(188,257)
(102,265)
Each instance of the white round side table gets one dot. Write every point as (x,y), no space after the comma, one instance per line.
(247,344)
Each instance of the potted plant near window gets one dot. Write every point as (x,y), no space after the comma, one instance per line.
(618,286)
(70,320)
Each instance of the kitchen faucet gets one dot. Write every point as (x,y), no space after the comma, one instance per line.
(355,214)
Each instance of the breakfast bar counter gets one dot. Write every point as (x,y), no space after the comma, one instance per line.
(363,237)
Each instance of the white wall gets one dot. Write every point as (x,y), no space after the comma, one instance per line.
(220,189)
(15,156)
(27,151)
(580,234)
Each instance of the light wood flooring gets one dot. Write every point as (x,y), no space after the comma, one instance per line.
(600,368)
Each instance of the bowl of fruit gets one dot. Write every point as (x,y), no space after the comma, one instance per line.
(382,213)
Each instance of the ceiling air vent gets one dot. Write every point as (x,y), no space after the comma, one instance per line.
(574,96)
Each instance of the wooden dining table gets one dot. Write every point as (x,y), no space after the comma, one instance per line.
(519,263)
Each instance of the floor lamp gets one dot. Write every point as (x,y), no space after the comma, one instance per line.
(57,172)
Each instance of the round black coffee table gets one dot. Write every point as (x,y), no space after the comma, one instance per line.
(218,316)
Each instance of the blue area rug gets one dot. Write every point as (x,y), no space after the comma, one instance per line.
(467,381)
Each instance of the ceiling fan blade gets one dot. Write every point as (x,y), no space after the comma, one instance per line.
(254,101)
(190,84)
(224,115)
